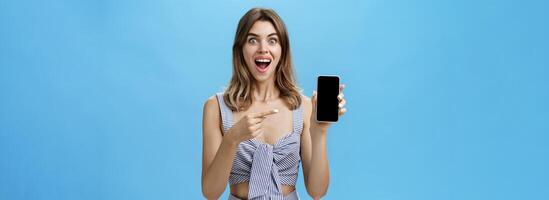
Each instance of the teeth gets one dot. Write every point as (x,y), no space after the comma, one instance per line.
(263,60)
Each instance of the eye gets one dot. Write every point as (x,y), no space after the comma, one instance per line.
(273,41)
(252,41)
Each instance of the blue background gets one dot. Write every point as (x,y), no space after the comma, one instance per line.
(446,99)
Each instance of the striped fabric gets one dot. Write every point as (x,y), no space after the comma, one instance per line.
(266,167)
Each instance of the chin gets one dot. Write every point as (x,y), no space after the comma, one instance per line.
(263,77)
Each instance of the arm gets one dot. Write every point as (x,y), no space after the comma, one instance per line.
(314,153)
(313,148)
(217,152)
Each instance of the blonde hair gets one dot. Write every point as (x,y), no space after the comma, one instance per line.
(238,95)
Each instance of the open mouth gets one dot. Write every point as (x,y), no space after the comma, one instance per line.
(262,64)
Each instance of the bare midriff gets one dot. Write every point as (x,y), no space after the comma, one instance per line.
(241,190)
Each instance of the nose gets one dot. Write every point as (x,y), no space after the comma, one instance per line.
(263,48)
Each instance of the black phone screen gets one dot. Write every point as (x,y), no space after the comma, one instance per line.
(327,102)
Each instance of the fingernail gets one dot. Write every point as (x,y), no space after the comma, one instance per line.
(275,110)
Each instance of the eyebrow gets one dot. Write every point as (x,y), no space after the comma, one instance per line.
(256,35)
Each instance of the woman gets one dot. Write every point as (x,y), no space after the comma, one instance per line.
(249,140)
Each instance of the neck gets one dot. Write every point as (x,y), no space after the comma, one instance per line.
(265,91)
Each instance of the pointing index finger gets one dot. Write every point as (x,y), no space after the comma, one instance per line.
(266,113)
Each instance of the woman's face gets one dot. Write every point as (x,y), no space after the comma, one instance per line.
(262,50)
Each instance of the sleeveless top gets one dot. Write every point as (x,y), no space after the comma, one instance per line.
(266,167)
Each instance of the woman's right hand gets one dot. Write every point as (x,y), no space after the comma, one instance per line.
(249,126)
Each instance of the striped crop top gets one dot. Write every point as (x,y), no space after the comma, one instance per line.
(266,167)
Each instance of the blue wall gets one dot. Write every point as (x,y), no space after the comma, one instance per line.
(446,99)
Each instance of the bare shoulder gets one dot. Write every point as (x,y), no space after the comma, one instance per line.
(307,108)
(211,102)
(211,108)
(306,102)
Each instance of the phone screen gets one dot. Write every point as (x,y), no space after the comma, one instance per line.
(327,103)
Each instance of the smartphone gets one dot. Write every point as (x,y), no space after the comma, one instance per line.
(327,103)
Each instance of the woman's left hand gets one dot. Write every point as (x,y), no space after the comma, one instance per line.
(322,127)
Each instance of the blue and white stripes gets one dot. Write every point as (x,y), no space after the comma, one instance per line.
(266,167)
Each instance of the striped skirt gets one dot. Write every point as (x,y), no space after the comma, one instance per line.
(291,196)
